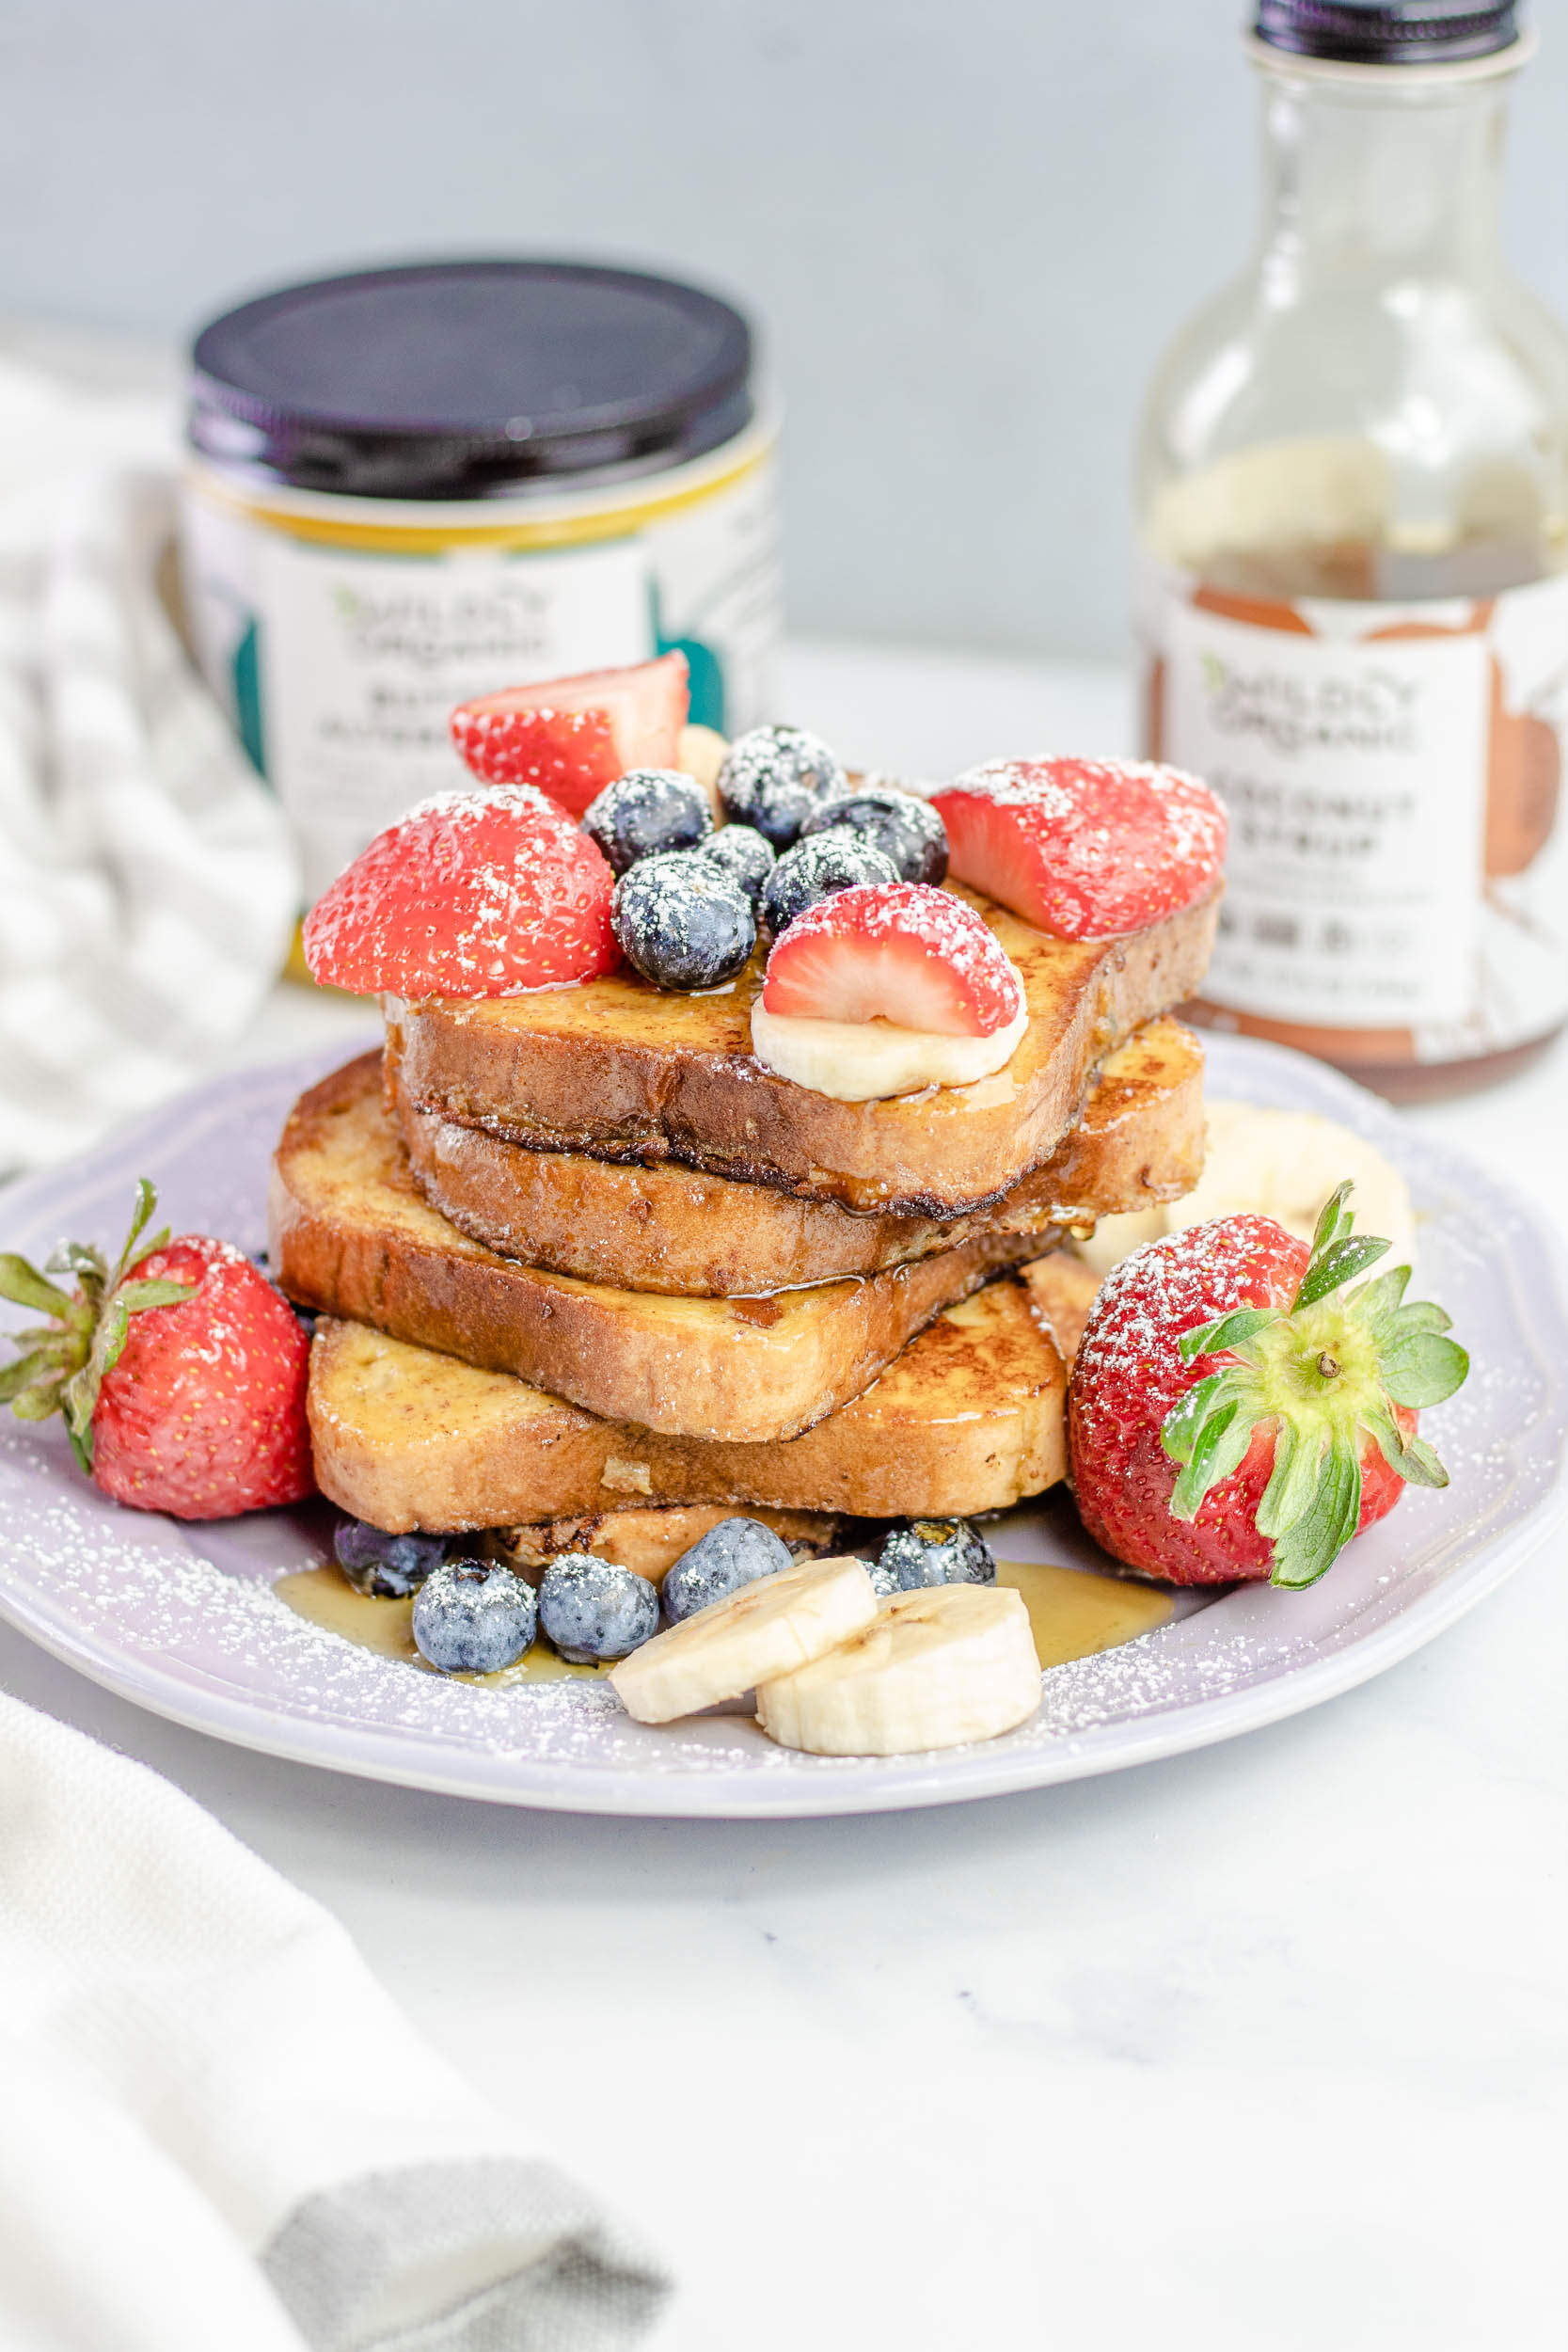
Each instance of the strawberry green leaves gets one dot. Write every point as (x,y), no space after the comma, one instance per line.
(1209,1431)
(1327,1380)
(1411,1458)
(1422,1368)
(20,1283)
(1230,1334)
(1309,1548)
(1419,1364)
(60,1365)
(1336,1257)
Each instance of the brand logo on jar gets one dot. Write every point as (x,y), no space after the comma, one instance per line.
(430,631)
(1366,708)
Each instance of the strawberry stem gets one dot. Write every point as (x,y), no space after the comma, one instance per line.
(60,1364)
(1326,1374)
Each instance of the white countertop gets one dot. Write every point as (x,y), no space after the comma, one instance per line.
(1262,2047)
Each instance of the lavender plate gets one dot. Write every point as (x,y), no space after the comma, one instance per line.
(182,1619)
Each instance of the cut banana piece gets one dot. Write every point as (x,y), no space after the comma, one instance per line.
(1116,1237)
(1278,1163)
(939,1666)
(861,1061)
(766,1629)
(701,755)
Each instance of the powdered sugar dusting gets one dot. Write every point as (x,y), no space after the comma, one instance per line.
(780,753)
(1128,1373)
(466,804)
(918,917)
(1096,848)
(1127,1358)
(182,1621)
(487,893)
(1067,789)
(701,919)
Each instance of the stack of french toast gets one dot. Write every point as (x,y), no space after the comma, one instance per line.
(588,1270)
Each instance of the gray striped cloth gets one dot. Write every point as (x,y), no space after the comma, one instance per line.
(148,885)
(219,2133)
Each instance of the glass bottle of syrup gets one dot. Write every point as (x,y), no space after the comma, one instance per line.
(1354,589)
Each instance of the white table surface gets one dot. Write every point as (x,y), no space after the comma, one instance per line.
(1262,2047)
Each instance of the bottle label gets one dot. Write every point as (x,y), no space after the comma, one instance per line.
(339,663)
(1393,776)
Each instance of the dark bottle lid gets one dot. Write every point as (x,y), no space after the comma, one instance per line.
(1388,32)
(467,379)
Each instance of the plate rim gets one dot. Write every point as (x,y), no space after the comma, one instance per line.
(396,1759)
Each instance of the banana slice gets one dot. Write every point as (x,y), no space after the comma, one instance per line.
(1278,1163)
(861,1061)
(701,753)
(948,1663)
(1116,1237)
(766,1629)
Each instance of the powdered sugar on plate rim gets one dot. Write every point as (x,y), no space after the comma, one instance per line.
(182,1620)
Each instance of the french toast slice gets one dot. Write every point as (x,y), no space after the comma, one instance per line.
(616,1069)
(667,1228)
(650,1541)
(351,1236)
(970,1418)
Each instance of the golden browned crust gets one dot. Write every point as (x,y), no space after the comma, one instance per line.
(618,1070)
(1062,1292)
(970,1418)
(671,1229)
(651,1540)
(351,1236)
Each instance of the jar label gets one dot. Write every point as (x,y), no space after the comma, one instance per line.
(340,664)
(1391,774)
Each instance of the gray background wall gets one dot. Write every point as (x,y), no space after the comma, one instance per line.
(965,228)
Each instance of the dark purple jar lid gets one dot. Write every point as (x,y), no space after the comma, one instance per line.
(469,379)
(1388,32)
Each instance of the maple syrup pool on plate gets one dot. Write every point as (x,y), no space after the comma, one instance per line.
(1073,1613)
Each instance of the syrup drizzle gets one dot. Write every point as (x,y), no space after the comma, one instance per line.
(1072,1613)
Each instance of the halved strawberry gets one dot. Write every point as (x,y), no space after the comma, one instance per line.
(1085,848)
(906,951)
(471,894)
(571,735)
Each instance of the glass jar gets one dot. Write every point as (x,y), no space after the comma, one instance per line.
(412,486)
(1353,596)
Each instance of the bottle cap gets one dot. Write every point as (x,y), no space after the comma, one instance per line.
(1388,32)
(467,379)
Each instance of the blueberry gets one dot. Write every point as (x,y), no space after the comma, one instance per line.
(681,921)
(389,1566)
(473,1617)
(775,777)
(590,1610)
(818,868)
(644,810)
(937,1552)
(735,1553)
(743,855)
(883,1581)
(903,826)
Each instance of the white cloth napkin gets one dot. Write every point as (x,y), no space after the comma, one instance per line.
(217,2133)
(148,884)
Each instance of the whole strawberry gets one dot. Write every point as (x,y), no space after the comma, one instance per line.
(181,1371)
(1236,1412)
